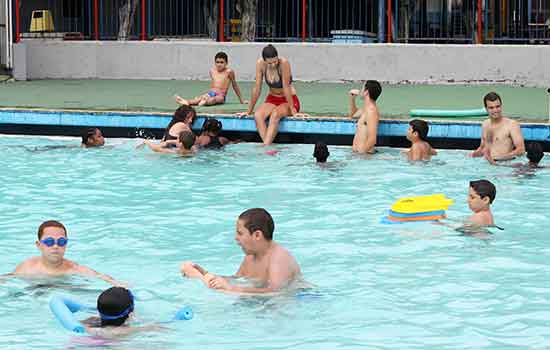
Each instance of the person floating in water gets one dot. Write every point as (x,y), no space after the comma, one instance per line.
(265,261)
(116,308)
(52,243)
(320,152)
(92,137)
(420,148)
(221,76)
(501,137)
(367,125)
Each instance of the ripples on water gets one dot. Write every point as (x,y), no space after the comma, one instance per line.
(136,215)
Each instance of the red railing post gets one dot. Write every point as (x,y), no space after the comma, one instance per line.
(479,22)
(390,24)
(17,22)
(143,25)
(221,28)
(96,20)
(304,17)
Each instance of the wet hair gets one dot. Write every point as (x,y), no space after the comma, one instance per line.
(212,125)
(269,52)
(221,55)
(180,116)
(50,223)
(491,96)
(320,152)
(187,139)
(484,188)
(87,134)
(421,127)
(374,88)
(114,306)
(258,219)
(534,152)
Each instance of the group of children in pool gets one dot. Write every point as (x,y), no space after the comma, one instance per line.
(264,259)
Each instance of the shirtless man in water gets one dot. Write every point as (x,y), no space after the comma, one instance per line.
(265,261)
(367,125)
(501,137)
(52,243)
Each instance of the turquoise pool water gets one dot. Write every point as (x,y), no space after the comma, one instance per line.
(136,215)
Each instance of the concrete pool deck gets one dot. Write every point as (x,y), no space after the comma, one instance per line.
(317,99)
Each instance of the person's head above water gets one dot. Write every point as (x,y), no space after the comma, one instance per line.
(256,221)
(212,126)
(115,305)
(481,195)
(418,129)
(187,139)
(372,89)
(92,137)
(184,114)
(52,241)
(535,152)
(320,152)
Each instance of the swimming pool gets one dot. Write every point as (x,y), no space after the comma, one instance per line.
(137,215)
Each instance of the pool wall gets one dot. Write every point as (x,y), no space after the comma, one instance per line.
(338,131)
(391,63)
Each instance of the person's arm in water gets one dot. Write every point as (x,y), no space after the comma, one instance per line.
(86,271)
(235,86)
(285,70)
(480,151)
(352,105)
(158,148)
(256,90)
(517,139)
(278,276)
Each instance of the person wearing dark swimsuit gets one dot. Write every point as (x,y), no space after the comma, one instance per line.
(183,120)
(209,137)
(281,100)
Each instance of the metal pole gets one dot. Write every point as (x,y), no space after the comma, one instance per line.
(548,93)
(96,20)
(304,19)
(381,21)
(143,24)
(389,21)
(479,22)
(17,22)
(222,21)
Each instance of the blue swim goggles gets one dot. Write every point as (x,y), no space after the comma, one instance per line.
(124,313)
(50,241)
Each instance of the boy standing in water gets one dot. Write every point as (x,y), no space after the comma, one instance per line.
(480,197)
(417,134)
(221,76)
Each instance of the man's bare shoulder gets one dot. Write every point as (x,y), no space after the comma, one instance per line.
(281,254)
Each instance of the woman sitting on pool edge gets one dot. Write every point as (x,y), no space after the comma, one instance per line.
(281,100)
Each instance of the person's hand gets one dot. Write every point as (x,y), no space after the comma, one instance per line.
(217,282)
(242,114)
(244,102)
(200,269)
(293,111)
(353,92)
(301,115)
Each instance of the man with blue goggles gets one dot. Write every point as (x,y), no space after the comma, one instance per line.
(52,243)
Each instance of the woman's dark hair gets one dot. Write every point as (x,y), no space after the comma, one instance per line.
(269,52)
(180,116)
(212,125)
(114,306)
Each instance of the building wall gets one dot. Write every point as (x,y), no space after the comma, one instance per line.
(392,63)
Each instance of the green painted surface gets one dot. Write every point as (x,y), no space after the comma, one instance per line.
(324,99)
